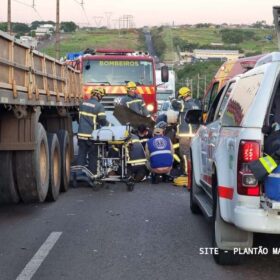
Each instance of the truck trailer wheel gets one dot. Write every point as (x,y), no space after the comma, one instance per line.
(55,171)
(32,173)
(65,152)
(8,191)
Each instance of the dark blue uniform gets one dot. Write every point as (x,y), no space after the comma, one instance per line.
(91,116)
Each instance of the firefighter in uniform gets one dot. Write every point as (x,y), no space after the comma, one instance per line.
(185,131)
(91,116)
(184,103)
(134,101)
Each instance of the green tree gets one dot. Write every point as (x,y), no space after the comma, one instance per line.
(231,36)
(4,26)
(159,44)
(68,26)
(20,28)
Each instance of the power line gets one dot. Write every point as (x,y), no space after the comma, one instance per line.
(20,2)
(30,6)
(81,4)
(85,14)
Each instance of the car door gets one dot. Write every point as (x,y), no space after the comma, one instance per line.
(210,136)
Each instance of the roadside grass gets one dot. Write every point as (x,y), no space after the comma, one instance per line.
(206,36)
(81,40)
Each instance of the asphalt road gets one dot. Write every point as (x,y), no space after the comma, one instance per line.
(113,234)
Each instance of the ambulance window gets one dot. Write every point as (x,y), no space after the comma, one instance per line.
(210,96)
(214,106)
(241,100)
(224,100)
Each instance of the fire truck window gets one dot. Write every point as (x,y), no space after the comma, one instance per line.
(241,100)
(118,72)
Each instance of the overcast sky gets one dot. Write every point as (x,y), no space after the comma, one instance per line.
(145,12)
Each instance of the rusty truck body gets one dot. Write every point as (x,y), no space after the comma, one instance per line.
(38,98)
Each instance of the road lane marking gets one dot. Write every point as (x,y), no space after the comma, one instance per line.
(33,265)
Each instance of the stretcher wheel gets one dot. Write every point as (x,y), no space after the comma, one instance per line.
(130,186)
(73,181)
(96,186)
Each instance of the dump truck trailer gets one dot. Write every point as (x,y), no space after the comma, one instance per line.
(39,97)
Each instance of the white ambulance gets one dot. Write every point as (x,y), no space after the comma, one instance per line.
(222,186)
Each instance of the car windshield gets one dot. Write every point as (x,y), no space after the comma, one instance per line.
(115,72)
(164,95)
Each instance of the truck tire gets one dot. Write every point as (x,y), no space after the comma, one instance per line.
(223,257)
(65,152)
(8,191)
(55,170)
(193,205)
(32,173)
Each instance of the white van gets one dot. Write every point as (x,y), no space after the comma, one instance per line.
(222,185)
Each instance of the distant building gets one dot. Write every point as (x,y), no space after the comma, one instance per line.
(43,30)
(186,57)
(29,41)
(216,44)
(200,54)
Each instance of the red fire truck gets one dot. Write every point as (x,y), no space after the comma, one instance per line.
(112,69)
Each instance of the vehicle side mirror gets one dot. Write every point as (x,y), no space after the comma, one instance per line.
(164,74)
(194,116)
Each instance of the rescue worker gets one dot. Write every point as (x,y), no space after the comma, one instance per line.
(91,116)
(183,104)
(159,153)
(144,134)
(265,165)
(136,159)
(185,131)
(134,101)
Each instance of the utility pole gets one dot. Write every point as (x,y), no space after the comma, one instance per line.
(198,80)
(108,18)
(57,32)
(9,27)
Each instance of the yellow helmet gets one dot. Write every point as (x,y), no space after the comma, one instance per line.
(131,85)
(98,91)
(184,91)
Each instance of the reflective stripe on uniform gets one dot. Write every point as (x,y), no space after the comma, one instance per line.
(115,148)
(176,146)
(89,115)
(176,157)
(137,161)
(89,105)
(101,114)
(133,101)
(84,135)
(189,134)
(134,141)
(183,106)
(160,153)
(268,163)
